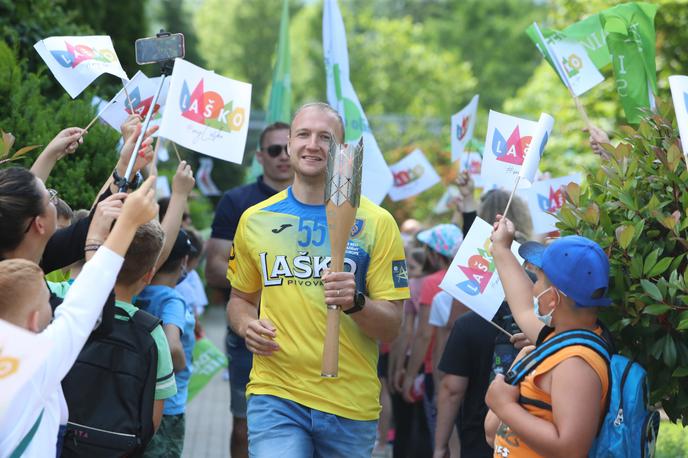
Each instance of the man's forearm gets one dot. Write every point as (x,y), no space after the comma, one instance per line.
(240,312)
(447,409)
(380,320)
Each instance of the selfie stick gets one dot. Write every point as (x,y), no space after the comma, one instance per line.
(166,70)
(144,128)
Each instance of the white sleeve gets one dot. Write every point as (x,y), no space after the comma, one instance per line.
(440,309)
(75,317)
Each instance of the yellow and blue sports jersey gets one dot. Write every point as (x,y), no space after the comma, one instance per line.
(282,248)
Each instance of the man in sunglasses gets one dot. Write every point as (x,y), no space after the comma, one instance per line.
(277,175)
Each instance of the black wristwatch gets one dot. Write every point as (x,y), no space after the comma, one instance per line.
(359,303)
(119,180)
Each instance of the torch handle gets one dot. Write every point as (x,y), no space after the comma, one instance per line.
(340,220)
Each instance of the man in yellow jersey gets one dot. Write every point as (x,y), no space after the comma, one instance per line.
(279,261)
(557,408)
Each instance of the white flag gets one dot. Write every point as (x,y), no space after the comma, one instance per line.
(444,204)
(472,278)
(162,187)
(77,61)
(472,163)
(207,113)
(203,179)
(581,72)
(544,198)
(412,175)
(462,125)
(141,90)
(21,354)
(679,95)
(506,145)
(377,179)
(537,146)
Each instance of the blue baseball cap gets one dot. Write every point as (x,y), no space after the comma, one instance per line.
(577,266)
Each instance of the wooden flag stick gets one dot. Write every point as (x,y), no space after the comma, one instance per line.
(100,113)
(513,191)
(176,151)
(500,328)
(131,105)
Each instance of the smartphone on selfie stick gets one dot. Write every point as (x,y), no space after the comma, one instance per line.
(163,48)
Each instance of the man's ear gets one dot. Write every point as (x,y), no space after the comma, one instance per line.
(259,156)
(33,320)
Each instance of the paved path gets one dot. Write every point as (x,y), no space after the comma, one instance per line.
(207,417)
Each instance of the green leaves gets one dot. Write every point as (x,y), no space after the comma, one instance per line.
(636,207)
(651,289)
(624,235)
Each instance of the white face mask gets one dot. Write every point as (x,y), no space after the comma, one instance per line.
(546,319)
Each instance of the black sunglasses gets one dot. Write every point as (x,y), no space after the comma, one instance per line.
(276,150)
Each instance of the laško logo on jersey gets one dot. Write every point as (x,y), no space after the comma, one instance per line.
(512,150)
(553,202)
(303,270)
(478,272)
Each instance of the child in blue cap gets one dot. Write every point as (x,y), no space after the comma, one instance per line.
(556,410)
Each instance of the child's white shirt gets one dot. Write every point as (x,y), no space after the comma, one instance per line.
(73,322)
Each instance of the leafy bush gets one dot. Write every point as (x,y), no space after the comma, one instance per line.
(636,207)
(672,441)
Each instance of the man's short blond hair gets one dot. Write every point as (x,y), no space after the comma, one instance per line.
(325,108)
(142,253)
(19,283)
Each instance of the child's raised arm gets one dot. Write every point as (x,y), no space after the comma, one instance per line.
(517,285)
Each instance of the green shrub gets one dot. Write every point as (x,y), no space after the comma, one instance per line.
(672,441)
(636,207)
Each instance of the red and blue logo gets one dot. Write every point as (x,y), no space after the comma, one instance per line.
(138,106)
(478,272)
(512,150)
(462,129)
(77,54)
(553,202)
(208,108)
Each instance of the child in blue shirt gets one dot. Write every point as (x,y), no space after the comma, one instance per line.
(162,300)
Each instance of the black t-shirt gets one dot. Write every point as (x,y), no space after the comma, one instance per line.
(468,353)
(234,203)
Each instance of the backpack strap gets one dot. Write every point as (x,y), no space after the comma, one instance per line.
(23,445)
(581,337)
(146,320)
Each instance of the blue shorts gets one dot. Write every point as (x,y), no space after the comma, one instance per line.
(282,428)
(239,371)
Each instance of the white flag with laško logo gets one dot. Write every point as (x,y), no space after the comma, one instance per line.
(462,125)
(141,91)
(204,180)
(377,179)
(472,278)
(77,61)
(412,175)
(544,199)
(206,112)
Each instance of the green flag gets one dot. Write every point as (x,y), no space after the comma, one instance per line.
(279,106)
(580,49)
(630,33)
